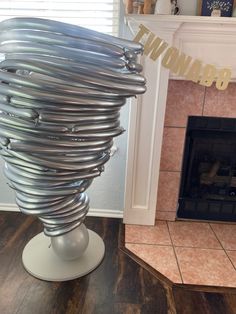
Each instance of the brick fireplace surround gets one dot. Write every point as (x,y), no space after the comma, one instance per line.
(185,99)
(185,252)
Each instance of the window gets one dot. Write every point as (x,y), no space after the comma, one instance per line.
(100,15)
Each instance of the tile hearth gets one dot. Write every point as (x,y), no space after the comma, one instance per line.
(198,253)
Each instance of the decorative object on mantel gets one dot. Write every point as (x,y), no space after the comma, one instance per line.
(163,7)
(234,9)
(216,7)
(181,64)
(174,7)
(152,6)
(140,6)
(148,7)
(62,88)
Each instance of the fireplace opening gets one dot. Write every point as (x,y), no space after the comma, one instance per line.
(208,183)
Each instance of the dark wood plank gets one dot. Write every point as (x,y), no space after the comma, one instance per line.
(118,285)
(196,302)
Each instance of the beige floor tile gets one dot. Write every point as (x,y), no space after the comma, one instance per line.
(157,234)
(161,258)
(193,234)
(232,256)
(206,267)
(226,234)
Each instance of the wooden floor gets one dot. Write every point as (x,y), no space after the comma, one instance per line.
(118,285)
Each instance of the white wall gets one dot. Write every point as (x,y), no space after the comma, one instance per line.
(6,194)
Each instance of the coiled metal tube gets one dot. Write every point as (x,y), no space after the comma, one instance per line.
(61,90)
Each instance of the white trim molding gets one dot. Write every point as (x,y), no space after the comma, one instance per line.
(93,212)
(145,135)
(106,213)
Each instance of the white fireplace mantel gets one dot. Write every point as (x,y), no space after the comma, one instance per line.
(210,39)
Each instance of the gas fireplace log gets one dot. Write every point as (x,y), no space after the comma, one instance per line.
(213,171)
(209,178)
(233,182)
(220,180)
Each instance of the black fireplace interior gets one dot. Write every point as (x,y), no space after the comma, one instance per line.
(208,184)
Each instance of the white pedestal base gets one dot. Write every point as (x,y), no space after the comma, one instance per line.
(40,260)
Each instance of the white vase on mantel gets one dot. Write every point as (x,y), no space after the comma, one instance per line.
(163,7)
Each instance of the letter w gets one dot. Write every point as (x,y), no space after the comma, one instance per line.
(154,46)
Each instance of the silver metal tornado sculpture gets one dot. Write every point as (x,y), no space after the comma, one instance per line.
(61,90)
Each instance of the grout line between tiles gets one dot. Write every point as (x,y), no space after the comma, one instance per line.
(198,247)
(153,244)
(178,171)
(203,102)
(222,247)
(234,266)
(175,253)
(228,223)
(231,223)
(175,127)
(216,236)
(180,246)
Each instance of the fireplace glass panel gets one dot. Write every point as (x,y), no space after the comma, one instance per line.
(208,184)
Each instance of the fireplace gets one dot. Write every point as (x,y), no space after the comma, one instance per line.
(208,184)
(158,119)
(195,117)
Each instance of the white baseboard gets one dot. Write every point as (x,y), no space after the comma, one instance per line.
(8,207)
(93,212)
(108,213)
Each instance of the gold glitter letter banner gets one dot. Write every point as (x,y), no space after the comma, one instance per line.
(181,64)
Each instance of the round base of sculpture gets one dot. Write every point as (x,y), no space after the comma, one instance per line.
(41,262)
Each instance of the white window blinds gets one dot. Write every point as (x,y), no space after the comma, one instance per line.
(100,15)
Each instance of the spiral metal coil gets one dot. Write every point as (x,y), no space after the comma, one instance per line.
(61,90)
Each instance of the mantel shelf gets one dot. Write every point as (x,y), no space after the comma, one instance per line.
(175,24)
(181,19)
